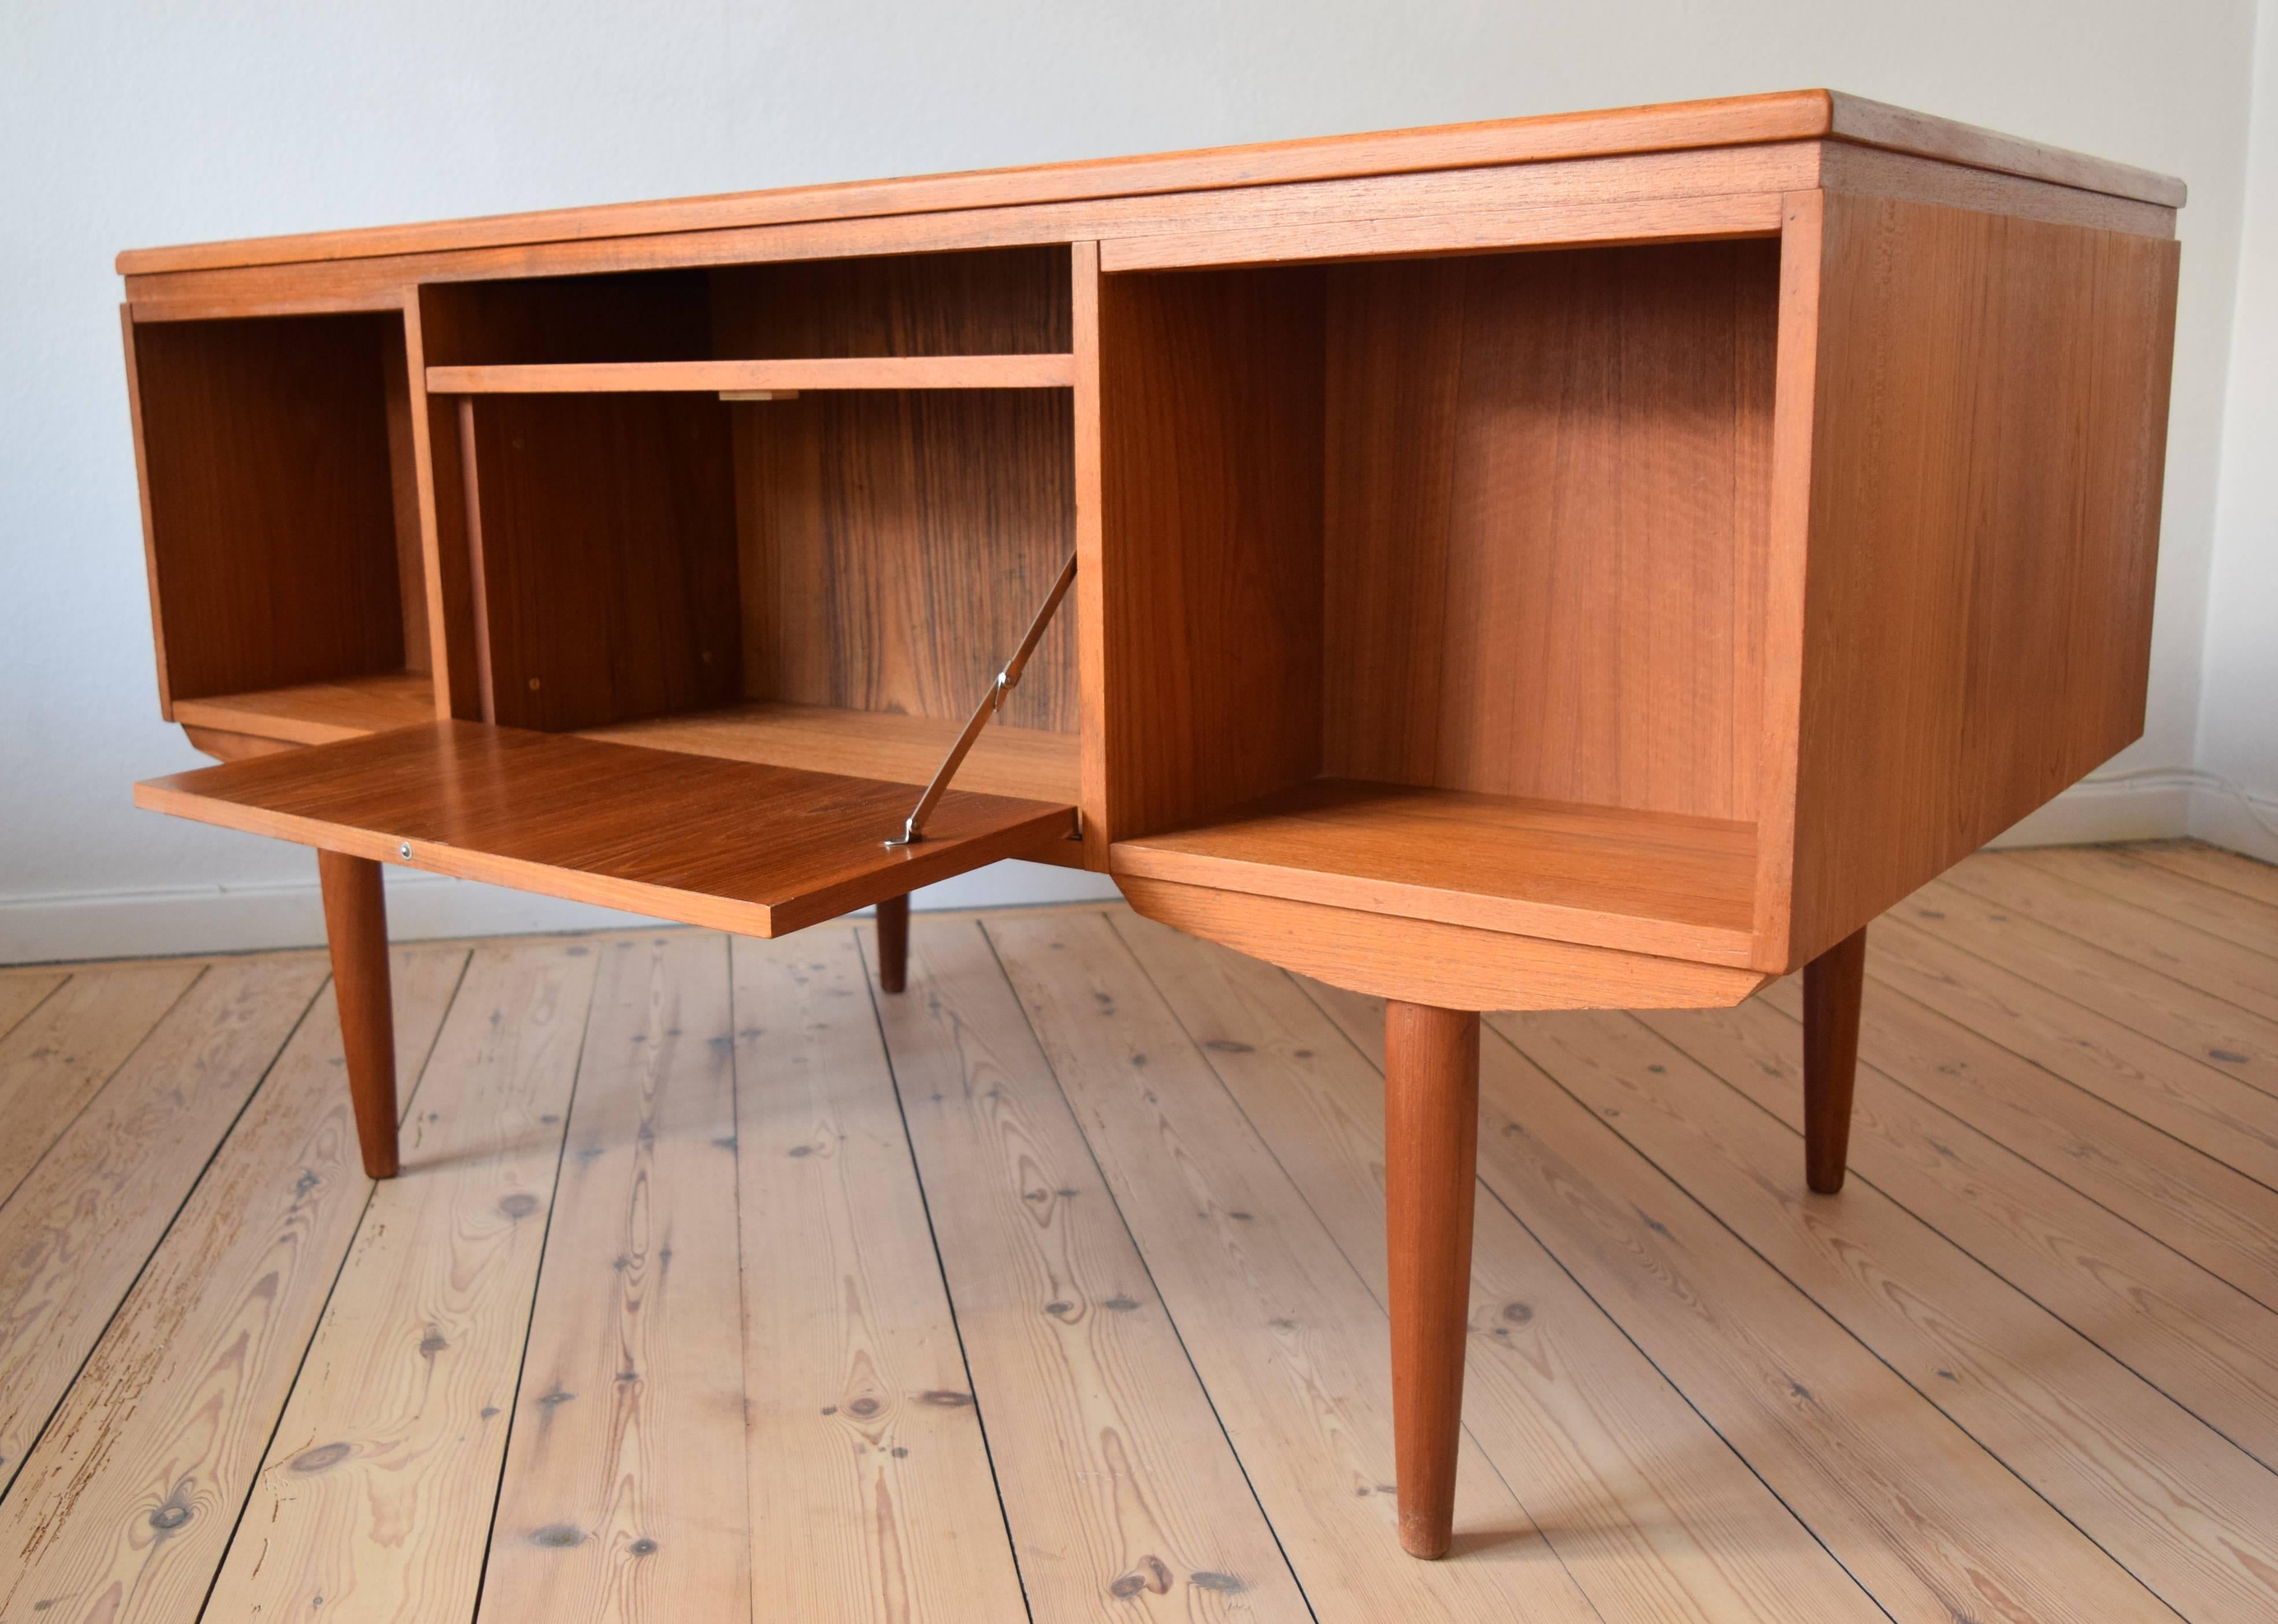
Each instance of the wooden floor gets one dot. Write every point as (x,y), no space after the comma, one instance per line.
(719,1285)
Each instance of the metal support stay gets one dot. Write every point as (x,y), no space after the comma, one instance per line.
(1007,680)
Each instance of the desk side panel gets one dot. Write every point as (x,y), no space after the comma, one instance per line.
(1988,444)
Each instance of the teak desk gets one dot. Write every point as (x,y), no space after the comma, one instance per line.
(1598,561)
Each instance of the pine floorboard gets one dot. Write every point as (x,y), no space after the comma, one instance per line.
(722,1284)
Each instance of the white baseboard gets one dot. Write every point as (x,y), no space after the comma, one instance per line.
(2153,803)
(2148,807)
(245,918)
(2218,819)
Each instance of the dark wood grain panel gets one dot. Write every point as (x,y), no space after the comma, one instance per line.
(608,549)
(559,321)
(1545,518)
(271,491)
(730,844)
(896,543)
(1210,588)
(403,487)
(996,301)
(464,686)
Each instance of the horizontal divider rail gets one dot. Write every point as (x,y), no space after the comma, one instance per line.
(1033,371)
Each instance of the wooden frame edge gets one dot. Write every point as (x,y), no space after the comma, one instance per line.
(1788,550)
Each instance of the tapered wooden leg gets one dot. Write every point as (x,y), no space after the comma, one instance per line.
(1432,1135)
(1831,984)
(893,916)
(355,923)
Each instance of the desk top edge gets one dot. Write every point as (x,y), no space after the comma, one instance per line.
(1793,115)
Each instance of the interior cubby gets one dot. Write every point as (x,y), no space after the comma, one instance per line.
(826,577)
(1479,554)
(282,519)
(991,301)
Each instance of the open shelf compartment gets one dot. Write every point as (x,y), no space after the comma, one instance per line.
(1657,883)
(1029,763)
(821,578)
(281,520)
(1467,618)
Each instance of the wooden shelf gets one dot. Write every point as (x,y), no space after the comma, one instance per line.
(1649,882)
(318,713)
(1037,371)
(1026,762)
(729,845)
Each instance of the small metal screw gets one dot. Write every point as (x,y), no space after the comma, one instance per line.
(403,850)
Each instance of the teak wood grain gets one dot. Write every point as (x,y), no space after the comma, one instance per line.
(754,849)
(1454,966)
(1987,445)
(1545,530)
(307,286)
(257,436)
(1209,582)
(1027,762)
(1570,872)
(606,554)
(1725,171)
(894,547)
(1564,225)
(1431,1146)
(708,377)
(1558,563)
(317,713)
(992,303)
(355,925)
(1796,115)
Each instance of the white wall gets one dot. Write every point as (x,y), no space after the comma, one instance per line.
(129,125)
(2238,705)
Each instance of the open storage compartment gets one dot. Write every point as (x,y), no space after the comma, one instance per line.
(281,522)
(720,634)
(825,576)
(1467,557)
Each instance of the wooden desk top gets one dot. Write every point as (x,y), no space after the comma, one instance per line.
(1674,127)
